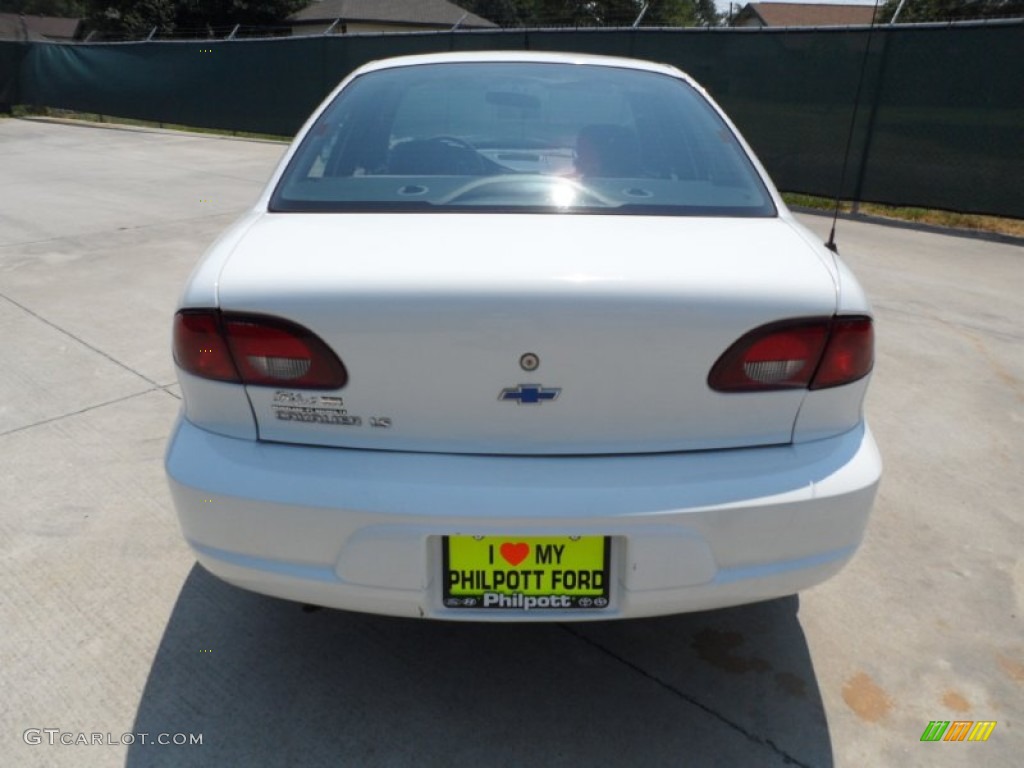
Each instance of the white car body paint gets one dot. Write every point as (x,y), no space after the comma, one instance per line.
(710,499)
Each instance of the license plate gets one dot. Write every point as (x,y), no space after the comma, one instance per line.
(532,573)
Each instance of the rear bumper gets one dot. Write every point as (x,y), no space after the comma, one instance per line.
(361,530)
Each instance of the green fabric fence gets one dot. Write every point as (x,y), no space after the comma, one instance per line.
(11,54)
(940,122)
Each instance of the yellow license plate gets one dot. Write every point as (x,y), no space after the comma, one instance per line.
(531,573)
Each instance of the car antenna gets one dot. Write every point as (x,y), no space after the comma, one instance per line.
(831,244)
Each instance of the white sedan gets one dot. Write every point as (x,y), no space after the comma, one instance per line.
(522,337)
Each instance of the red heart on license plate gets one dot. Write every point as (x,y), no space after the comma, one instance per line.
(515,553)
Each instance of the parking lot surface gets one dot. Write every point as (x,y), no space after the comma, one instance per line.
(108,627)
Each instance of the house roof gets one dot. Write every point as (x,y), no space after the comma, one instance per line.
(805,14)
(427,13)
(15,26)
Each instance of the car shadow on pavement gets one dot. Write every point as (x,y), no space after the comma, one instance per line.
(264,682)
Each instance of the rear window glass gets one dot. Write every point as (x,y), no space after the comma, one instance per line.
(558,138)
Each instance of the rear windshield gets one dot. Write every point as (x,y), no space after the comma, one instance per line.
(516,137)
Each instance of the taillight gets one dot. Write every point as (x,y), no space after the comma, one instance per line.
(850,353)
(200,347)
(797,354)
(256,350)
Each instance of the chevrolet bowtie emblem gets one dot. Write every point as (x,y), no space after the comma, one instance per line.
(530,394)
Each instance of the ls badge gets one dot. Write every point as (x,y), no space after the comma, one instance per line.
(530,394)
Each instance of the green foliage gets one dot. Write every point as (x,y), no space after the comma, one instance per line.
(682,13)
(593,13)
(68,8)
(130,18)
(135,18)
(227,13)
(916,11)
(504,13)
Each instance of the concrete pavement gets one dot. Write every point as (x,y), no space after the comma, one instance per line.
(108,627)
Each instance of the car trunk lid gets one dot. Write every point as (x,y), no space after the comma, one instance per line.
(440,318)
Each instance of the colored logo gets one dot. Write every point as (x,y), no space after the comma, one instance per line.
(958,730)
(530,394)
(514,554)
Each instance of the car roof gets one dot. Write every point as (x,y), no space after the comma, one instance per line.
(536,57)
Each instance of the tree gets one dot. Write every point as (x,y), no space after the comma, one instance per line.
(130,18)
(135,18)
(707,13)
(593,13)
(504,13)
(196,14)
(681,13)
(915,11)
(72,9)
